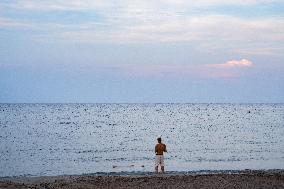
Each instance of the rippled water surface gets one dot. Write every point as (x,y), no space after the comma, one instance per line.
(56,139)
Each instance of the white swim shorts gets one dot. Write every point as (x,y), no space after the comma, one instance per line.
(159,160)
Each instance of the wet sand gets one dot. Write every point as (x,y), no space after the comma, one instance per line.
(246,179)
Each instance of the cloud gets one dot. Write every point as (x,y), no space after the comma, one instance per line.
(169,21)
(58,5)
(241,63)
(232,64)
(229,69)
(79,5)
(211,33)
(210,28)
(12,23)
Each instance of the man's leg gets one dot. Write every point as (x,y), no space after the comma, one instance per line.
(162,164)
(156,164)
(156,169)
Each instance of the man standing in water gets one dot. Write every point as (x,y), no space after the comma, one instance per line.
(160,148)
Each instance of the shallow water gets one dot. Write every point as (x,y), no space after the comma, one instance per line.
(56,139)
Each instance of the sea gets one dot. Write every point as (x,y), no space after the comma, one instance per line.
(75,139)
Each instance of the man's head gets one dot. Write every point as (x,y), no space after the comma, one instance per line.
(159,139)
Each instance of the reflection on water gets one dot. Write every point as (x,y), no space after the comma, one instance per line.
(53,139)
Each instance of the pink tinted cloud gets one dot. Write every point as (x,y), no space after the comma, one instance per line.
(233,63)
(229,69)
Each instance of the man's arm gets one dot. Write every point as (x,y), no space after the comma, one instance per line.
(156,149)
(165,149)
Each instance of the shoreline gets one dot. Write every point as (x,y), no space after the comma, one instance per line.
(215,179)
(152,173)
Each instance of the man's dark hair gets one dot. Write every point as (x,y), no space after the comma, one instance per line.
(159,139)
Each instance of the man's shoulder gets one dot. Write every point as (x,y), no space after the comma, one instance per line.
(160,144)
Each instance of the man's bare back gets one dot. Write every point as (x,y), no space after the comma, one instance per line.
(160,148)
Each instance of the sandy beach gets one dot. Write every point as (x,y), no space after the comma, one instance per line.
(242,179)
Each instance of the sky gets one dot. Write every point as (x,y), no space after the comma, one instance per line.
(129,51)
